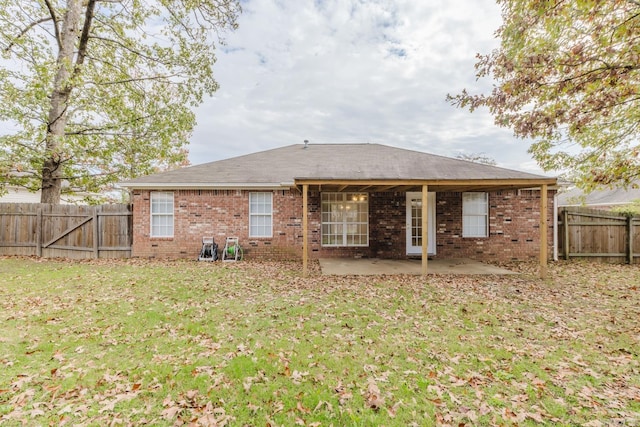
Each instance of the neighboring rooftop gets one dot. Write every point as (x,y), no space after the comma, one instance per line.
(602,197)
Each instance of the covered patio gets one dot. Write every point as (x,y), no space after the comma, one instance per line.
(457,184)
(376,266)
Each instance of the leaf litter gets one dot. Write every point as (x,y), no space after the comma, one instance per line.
(140,342)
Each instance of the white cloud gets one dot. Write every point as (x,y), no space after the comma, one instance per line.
(353,71)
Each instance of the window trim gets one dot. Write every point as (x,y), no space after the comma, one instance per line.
(485,215)
(345,224)
(254,215)
(153,215)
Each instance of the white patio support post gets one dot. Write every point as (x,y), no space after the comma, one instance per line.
(305,228)
(543,231)
(425,229)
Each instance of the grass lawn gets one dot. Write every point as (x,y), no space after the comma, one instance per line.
(169,343)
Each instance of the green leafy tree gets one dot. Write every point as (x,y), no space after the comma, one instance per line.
(630,209)
(567,76)
(102,90)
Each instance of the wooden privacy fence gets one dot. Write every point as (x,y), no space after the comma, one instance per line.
(599,234)
(68,231)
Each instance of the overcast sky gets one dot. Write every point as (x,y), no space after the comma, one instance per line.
(354,71)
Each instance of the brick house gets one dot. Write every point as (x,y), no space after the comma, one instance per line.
(345,200)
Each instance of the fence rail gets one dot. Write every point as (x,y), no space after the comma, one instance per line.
(106,231)
(598,234)
(69,231)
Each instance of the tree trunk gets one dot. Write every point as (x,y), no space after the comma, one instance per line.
(57,119)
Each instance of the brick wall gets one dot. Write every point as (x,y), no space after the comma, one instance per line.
(513,226)
(218,213)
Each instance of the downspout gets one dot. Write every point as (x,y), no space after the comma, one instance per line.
(544,231)
(555,226)
(305,229)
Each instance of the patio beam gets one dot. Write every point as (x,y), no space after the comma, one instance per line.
(386,187)
(443,185)
(425,228)
(305,228)
(543,231)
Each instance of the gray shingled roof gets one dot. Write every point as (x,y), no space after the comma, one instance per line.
(283,166)
(603,197)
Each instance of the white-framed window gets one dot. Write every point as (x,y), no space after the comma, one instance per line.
(475,214)
(260,214)
(161,214)
(345,219)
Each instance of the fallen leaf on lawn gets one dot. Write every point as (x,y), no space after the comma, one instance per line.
(170,412)
(297,377)
(278,407)
(36,413)
(393,410)
(535,416)
(108,406)
(321,404)
(20,399)
(300,407)
(373,397)
(66,410)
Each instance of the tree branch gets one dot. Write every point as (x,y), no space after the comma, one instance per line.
(26,30)
(84,37)
(123,46)
(133,80)
(56,30)
(607,67)
(105,129)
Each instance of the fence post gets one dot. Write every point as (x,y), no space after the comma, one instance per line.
(629,239)
(96,233)
(39,232)
(565,225)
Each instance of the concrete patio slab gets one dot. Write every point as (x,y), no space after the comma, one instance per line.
(372,266)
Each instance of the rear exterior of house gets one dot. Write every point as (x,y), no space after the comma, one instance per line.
(357,200)
(487,226)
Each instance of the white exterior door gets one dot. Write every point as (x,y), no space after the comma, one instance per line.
(414,223)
